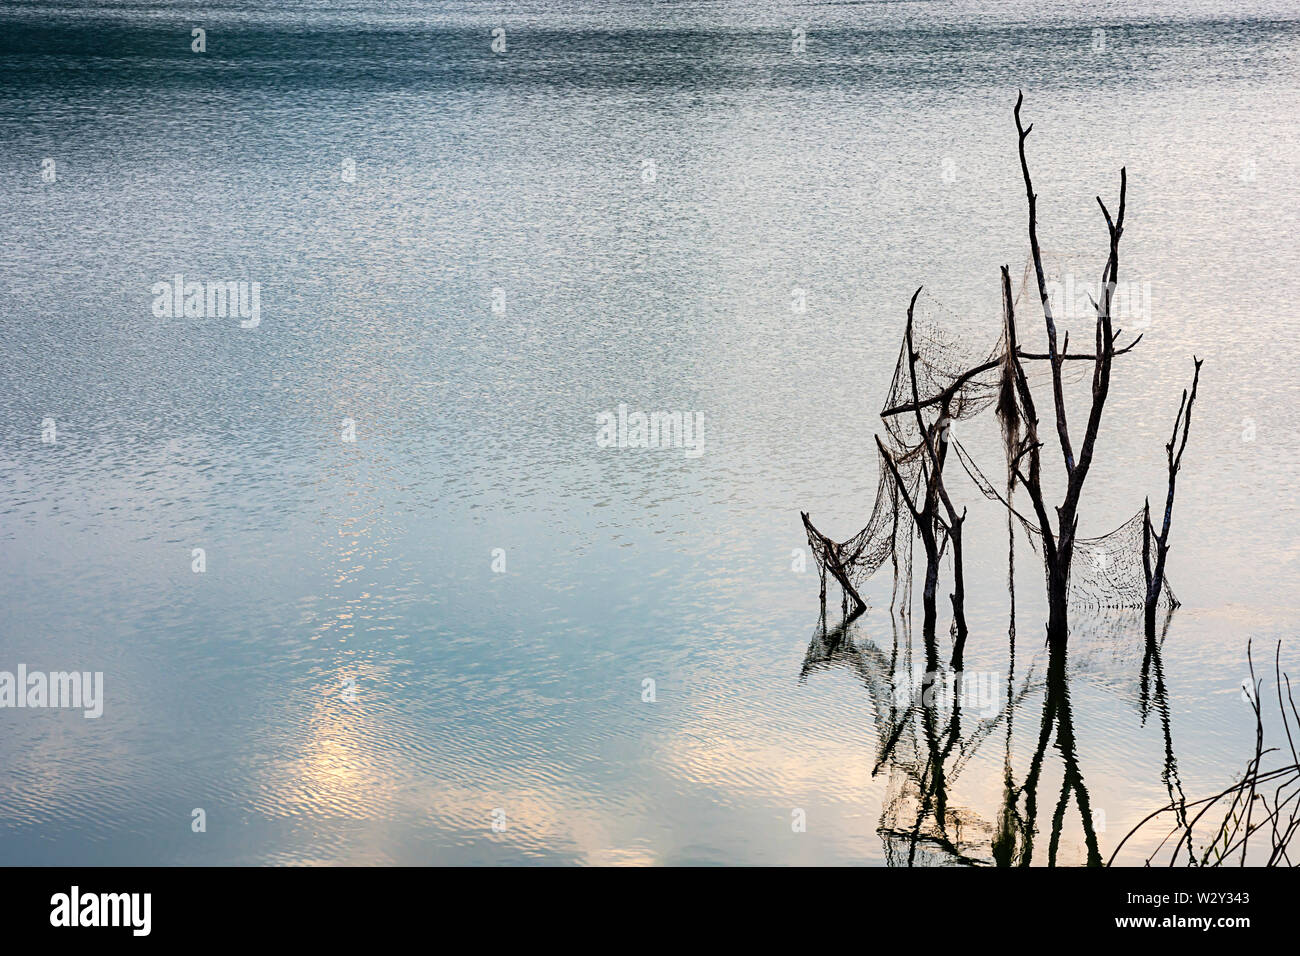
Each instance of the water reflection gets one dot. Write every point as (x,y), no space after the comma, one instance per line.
(932,718)
(331,560)
(1154,695)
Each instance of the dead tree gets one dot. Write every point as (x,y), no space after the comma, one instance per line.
(929,529)
(1058,543)
(934,434)
(935,529)
(914,471)
(1155,575)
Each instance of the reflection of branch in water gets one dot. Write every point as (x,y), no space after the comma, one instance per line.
(925,752)
(925,747)
(835,646)
(1152,664)
(1107,639)
(1057,715)
(935,822)
(1072,780)
(1009,823)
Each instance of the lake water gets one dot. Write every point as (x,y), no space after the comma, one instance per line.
(468,255)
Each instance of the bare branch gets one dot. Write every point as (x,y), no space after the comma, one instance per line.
(1156,575)
(1058,392)
(1105,353)
(988,366)
(1031,444)
(898,480)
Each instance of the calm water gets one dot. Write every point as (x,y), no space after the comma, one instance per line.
(350,680)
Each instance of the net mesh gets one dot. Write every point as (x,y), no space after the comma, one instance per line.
(1107,571)
(862,555)
(956,379)
(945,359)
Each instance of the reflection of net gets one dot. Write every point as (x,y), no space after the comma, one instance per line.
(916,839)
(920,824)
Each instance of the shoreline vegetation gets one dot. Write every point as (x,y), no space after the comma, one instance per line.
(1254,820)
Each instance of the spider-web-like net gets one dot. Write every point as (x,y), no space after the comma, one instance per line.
(955,378)
(1107,571)
(944,383)
(945,393)
(885,536)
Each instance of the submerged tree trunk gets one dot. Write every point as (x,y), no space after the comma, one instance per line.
(958,596)
(1058,603)
(924,519)
(1155,579)
(929,602)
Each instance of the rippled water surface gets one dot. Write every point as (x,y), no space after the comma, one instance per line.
(350,680)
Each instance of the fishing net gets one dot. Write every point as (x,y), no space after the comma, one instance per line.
(1107,571)
(943,387)
(948,377)
(886,535)
(956,378)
